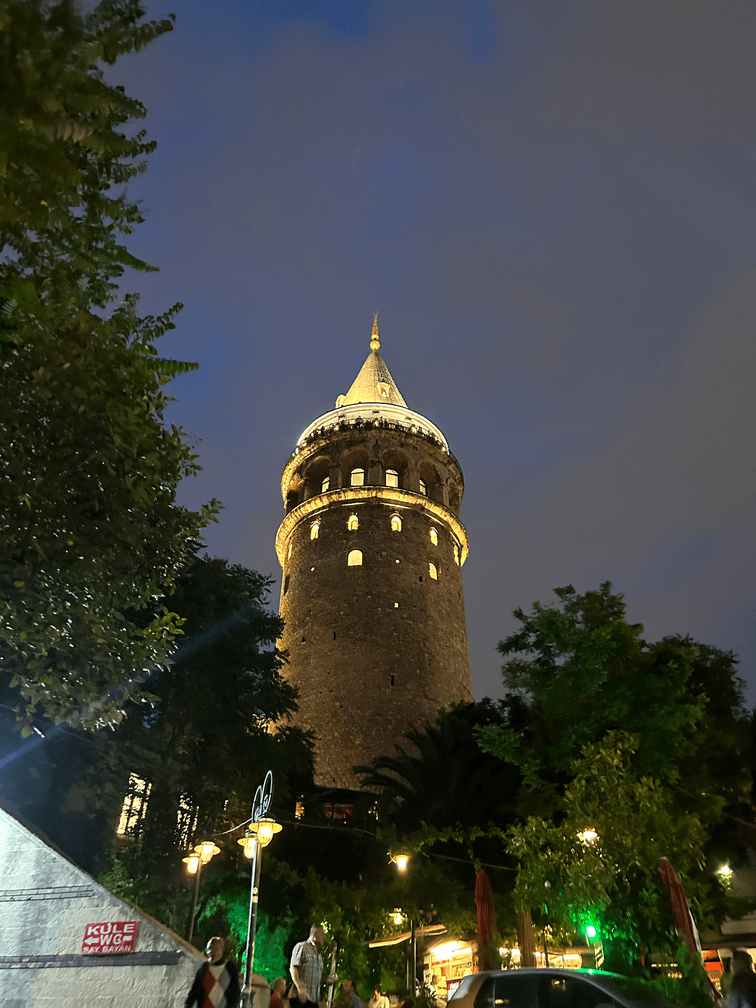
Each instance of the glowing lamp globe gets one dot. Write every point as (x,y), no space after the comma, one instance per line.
(192,863)
(206,850)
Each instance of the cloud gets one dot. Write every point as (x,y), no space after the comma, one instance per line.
(675,69)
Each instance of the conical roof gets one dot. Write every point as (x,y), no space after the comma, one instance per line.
(374,383)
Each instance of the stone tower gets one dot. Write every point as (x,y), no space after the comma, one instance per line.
(372,551)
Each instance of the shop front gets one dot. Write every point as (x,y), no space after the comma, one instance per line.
(449,960)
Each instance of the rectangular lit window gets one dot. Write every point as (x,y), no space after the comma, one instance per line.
(423,487)
(337,812)
(134,806)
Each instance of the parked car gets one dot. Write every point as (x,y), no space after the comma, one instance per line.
(553,988)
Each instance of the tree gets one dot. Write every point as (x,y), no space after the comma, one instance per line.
(88,470)
(441,777)
(651,718)
(356,912)
(596,858)
(450,802)
(204,741)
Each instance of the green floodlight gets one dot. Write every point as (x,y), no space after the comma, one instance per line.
(590,932)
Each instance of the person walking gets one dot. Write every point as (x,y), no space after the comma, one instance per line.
(278,993)
(742,990)
(216,982)
(306,967)
(378,1000)
(349,997)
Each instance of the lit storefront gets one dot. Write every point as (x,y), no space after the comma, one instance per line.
(449,961)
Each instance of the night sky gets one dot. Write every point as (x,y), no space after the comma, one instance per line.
(550,204)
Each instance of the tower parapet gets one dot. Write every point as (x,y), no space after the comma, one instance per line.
(371,549)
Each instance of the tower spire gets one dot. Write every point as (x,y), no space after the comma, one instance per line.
(373,384)
(374,341)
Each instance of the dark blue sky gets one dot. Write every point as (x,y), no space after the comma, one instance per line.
(551,205)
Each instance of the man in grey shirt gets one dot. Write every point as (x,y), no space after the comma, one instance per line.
(306,966)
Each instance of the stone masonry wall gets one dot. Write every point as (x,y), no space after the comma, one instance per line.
(380,647)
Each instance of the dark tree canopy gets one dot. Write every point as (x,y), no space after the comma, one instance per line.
(439,775)
(88,469)
(206,732)
(661,726)
(581,669)
(451,801)
(203,741)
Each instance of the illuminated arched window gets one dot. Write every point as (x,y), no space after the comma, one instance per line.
(353,523)
(392,478)
(325,485)
(434,537)
(354,559)
(314,530)
(456,554)
(433,571)
(396,523)
(423,487)
(357,477)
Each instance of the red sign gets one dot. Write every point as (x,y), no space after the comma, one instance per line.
(110,937)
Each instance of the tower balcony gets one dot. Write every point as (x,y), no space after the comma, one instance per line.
(367,415)
(393,497)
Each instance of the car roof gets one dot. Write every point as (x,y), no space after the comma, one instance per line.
(597,976)
(542,970)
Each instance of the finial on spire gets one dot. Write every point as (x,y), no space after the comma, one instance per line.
(374,341)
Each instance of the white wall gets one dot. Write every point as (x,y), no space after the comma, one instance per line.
(45,903)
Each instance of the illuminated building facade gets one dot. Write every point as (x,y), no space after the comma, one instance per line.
(372,550)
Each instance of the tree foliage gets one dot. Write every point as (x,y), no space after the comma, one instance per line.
(600,849)
(357,912)
(645,743)
(440,777)
(88,470)
(204,741)
(582,668)
(448,801)
(64,145)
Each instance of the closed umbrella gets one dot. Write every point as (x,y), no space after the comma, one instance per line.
(684,923)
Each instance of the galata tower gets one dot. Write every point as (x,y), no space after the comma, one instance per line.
(372,551)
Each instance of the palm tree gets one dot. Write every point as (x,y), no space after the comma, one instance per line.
(441,777)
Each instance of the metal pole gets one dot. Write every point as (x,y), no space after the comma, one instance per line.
(407,970)
(194,898)
(256,896)
(413,990)
(254,891)
(332,987)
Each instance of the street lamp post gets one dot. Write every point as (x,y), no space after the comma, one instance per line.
(412,962)
(203,852)
(259,833)
(401,860)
